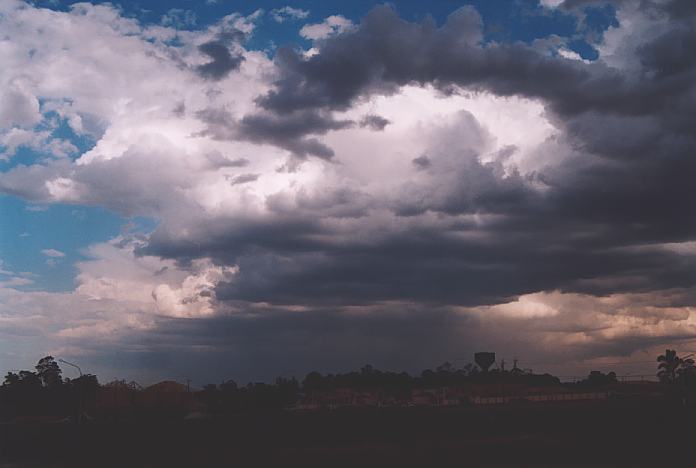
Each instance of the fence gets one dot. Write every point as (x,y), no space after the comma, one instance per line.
(497,400)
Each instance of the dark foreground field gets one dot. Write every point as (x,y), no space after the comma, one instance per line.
(619,433)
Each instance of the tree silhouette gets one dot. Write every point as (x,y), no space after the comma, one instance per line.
(12,380)
(49,372)
(672,368)
(21,392)
(599,379)
(686,373)
(87,383)
(22,381)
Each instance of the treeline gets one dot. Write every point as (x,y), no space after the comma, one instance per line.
(45,392)
(230,397)
(445,375)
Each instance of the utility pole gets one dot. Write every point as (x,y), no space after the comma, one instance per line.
(79,389)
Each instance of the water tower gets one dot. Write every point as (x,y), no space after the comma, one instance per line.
(484,360)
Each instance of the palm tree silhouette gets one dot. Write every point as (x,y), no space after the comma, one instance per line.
(671,366)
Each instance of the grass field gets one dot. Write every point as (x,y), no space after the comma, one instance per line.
(611,433)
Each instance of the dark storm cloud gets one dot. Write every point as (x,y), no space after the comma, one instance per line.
(404,267)
(222,60)
(671,54)
(436,268)
(287,131)
(577,238)
(680,8)
(591,222)
(261,343)
(374,122)
(676,8)
(386,52)
(575,4)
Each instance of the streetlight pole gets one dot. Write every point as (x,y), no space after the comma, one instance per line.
(79,390)
(71,364)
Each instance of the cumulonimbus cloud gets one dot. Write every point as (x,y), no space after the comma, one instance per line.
(370,174)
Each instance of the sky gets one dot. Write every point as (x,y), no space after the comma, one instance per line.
(221,189)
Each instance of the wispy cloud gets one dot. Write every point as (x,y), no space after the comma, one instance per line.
(280,15)
(334,24)
(53,253)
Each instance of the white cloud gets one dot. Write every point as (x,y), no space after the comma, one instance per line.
(529,306)
(102,90)
(637,26)
(15,281)
(334,24)
(571,54)
(550,3)
(3,271)
(117,293)
(18,106)
(127,105)
(38,141)
(157,286)
(53,256)
(53,253)
(585,327)
(281,15)
(179,18)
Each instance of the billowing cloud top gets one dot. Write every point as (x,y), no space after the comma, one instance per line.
(395,185)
